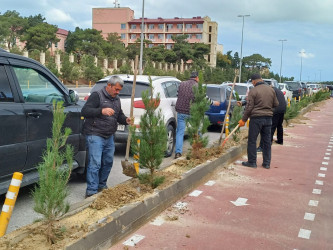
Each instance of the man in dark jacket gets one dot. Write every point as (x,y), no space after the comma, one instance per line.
(102,113)
(261,101)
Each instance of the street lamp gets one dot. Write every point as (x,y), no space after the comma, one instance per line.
(241,55)
(281,40)
(141,44)
(300,74)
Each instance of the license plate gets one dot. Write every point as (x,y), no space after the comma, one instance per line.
(121,127)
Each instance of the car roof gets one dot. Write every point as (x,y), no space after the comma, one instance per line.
(139,78)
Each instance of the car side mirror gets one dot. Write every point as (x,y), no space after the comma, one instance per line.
(74,96)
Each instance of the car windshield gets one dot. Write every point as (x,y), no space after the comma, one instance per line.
(214,93)
(241,90)
(293,85)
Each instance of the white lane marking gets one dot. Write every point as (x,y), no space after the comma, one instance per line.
(321,175)
(304,233)
(326,158)
(324,163)
(135,239)
(323,169)
(319,182)
(240,202)
(330,146)
(316,191)
(327,153)
(329,149)
(195,193)
(158,221)
(313,203)
(210,183)
(180,205)
(331,142)
(309,216)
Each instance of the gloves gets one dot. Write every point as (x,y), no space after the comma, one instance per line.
(241,123)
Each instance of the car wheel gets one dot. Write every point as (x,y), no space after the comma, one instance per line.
(171,133)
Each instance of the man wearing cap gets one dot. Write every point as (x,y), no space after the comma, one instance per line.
(183,105)
(260,103)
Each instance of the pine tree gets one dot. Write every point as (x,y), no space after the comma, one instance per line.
(235,117)
(153,139)
(198,122)
(51,190)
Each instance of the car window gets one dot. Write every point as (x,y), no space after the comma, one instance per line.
(170,89)
(36,87)
(214,94)
(6,94)
(241,90)
(293,85)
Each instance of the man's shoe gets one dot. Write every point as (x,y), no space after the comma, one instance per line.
(88,195)
(266,166)
(101,189)
(281,143)
(177,155)
(250,165)
(259,149)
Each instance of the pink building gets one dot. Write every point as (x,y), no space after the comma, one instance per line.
(159,31)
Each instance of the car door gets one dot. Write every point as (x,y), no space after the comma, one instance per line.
(168,102)
(13,147)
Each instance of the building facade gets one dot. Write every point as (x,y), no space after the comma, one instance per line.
(159,31)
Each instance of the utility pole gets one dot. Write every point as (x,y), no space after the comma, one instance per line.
(300,74)
(141,44)
(241,55)
(281,40)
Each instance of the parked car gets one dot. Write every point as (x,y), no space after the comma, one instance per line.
(272,82)
(306,90)
(315,87)
(28,90)
(296,88)
(288,94)
(219,93)
(166,86)
(242,89)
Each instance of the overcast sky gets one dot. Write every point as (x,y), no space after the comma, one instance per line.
(307,25)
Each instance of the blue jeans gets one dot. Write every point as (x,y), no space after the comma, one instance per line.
(181,124)
(100,160)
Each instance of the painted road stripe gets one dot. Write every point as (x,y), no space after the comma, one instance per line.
(330,146)
(324,163)
(329,149)
(316,191)
(327,153)
(326,158)
(309,216)
(313,203)
(304,233)
(319,182)
(210,183)
(240,202)
(331,142)
(180,205)
(195,193)
(158,221)
(321,175)
(135,239)
(323,169)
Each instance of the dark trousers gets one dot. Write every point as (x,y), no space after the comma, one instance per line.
(277,122)
(262,126)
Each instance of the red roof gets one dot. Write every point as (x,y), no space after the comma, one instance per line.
(197,19)
(62,32)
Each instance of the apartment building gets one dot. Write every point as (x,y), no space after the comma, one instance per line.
(159,31)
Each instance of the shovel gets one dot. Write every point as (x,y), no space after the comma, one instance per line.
(128,167)
(227,138)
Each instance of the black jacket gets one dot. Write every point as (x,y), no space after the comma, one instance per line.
(282,102)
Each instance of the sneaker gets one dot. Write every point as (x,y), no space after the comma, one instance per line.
(177,155)
(281,143)
(259,149)
(266,166)
(250,165)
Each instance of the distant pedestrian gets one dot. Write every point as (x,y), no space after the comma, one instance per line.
(259,108)
(183,105)
(277,120)
(102,113)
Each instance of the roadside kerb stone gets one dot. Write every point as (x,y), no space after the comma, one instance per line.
(130,217)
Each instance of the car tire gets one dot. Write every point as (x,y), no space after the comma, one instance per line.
(171,134)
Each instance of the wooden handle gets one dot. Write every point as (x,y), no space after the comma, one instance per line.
(227,138)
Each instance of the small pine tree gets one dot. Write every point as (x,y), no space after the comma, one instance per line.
(235,117)
(198,121)
(51,190)
(153,139)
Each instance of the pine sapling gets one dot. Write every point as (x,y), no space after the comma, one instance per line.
(51,190)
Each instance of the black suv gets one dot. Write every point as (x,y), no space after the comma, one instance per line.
(27,91)
(296,88)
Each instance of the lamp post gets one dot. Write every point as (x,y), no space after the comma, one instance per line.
(241,55)
(300,74)
(141,42)
(281,40)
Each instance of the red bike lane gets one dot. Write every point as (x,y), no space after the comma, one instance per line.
(288,206)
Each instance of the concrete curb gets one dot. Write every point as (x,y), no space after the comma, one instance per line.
(128,218)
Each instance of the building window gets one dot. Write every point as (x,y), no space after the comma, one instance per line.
(169,46)
(160,36)
(199,26)
(161,26)
(123,36)
(169,26)
(150,45)
(180,26)
(189,36)
(123,26)
(198,36)
(151,26)
(56,45)
(188,26)
(210,38)
(169,36)
(208,58)
(133,36)
(133,26)
(210,28)
(151,36)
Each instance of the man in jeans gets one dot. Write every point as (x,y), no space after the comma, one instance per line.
(102,113)
(183,105)
(261,101)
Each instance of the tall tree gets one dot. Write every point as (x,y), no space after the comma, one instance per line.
(222,61)
(256,61)
(182,48)
(14,22)
(113,47)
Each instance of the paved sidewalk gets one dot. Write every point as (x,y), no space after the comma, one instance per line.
(286,207)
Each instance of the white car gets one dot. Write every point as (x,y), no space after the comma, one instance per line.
(288,94)
(242,89)
(166,86)
(315,87)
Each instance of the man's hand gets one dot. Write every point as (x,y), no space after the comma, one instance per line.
(216,103)
(241,123)
(107,111)
(130,120)
(239,103)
